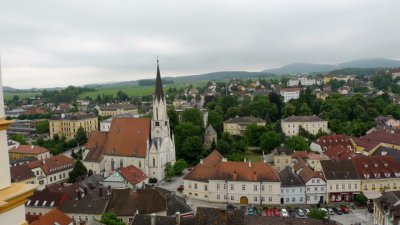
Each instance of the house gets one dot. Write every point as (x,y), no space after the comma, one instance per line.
(289,93)
(26,151)
(215,179)
(42,202)
(377,173)
(237,125)
(67,125)
(369,143)
(51,170)
(210,136)
(84,210)
(293,189)
(94,159)
(387,208)
(153,219)
(340,153)
(129,177)
(282,157)
(54,217)
(342,180)
(22,173)
(313,124)
(326,142)
(118,109)
(145,143)
(314,181)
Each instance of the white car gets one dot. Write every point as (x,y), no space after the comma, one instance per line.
(331,212)
(325,210)
(284,213)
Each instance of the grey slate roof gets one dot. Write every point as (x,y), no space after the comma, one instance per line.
(85,206)
(339,170)
(282,150)
(141,219)
(210,130)
(247,119)
(290,179)
(302,119)
(394,153)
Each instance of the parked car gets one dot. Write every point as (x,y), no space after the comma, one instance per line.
(345,209)
(292,212)
(180,188)
(230,207)
(276,212)
(306,211)
(250,211)
(268,212)
(330,211)
(324,210)
(337,210)
(300,213)
(284,213)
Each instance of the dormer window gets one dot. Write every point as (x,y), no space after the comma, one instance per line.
(386,164)
(397,174)
(377,175)
(387,174)
(366,165)
(376,164)
(366,175)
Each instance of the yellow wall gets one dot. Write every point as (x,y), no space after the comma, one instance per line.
(237,129)
(105,112)
(68,128)
(380,184)
(282,161)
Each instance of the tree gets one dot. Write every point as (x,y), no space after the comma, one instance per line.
(236,156)
(173,117)
(19,138)
(216,120)
(253,133)
(270,140)
(81,136)
(78,170)
(305,110)
(169,171)
(194,116)
(43,127)
(110,219)
(184,130)
(192,148)
(179,166)
(361,199)
(297,143)
(288,110)
(122,96)
(317,214)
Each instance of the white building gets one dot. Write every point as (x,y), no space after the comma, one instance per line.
(290,93)
(215,179)
(303,81)
(293,189)
(313,124)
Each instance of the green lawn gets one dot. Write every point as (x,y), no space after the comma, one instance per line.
(21,95)
(254,157)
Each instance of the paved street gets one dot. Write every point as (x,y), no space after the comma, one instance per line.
(355,216)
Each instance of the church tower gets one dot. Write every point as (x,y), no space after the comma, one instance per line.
(162,150)
(12,195)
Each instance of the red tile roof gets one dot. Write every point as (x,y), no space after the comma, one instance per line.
(21,173)
(376,167)
(339,152)
(28,149)
(293,89)
(53,164)
(373,139)
(214,168)
(55,216)
(329,141)
(305,172)
(132,174)
(128,137)
(95,144)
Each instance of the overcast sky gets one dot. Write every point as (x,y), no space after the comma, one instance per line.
(58,43)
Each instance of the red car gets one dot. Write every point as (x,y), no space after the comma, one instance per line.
(276,212)
(181,187)
(345,209)
(268,212)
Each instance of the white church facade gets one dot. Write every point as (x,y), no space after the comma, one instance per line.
(145,143)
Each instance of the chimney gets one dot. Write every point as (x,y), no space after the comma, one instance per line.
(44,162)
(153,219)
(249,164)
(32,147)
(245,160)
(234,175)
(201,161)
(177,218)
(62,115)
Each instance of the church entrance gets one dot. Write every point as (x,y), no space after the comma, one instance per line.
(244,200)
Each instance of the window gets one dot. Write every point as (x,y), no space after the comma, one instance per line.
(293,199)
(349,186)
(218,197)
(225,197)
(232,187)
(270,188)
(121,163)
(232,197)
(373,186)
(313,181)
(51,179)
(308,198)
(140,164)
(282,190)
(262,199)
(330,187)
(287,190)
(343,186)
(355,186)
(243,187)
(365,187)
(255,199)
(195,185)
(270,199)
(308,189)
(205,187)
(315,189)
(225,186)
(287,200)
(318,181)
(154,162)
(255,187)
(262,188)
(217,186)
(322,188)
(395,185)
(301,199)
(292,190)
(337,186)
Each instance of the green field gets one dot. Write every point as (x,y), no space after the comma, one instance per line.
(252,156)
(21,95)
(135,90)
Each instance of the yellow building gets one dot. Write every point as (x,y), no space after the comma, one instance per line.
(237,126)
(68,124)
(12,195)
(26,151)
(118,109)
(282,158)
(327,79)
(377,173)
(313,124)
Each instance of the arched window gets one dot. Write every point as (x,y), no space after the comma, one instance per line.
(112,165)
(154,162)
(121,163)
(140,164)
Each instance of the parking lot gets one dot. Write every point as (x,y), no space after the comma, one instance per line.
(355,216)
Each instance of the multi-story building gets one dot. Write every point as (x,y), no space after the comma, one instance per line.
(370,142)
(342,181)
(293,189)
(237,125)
(290,93)
(22,173)
(118,109)
(42,202)
(377,173)
(314,181)
(67,125)
(301,81)
(126,177)
(12,195)
(313,124)
(326,142)
(85,210)
(26,151)
(282,157)
(51,170)
(387,208)
(215,179)
(24,127)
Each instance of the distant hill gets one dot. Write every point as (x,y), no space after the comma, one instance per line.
(320,68)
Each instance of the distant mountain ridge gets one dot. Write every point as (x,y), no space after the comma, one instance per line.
(319,68)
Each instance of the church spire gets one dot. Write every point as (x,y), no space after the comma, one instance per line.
(159,93)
